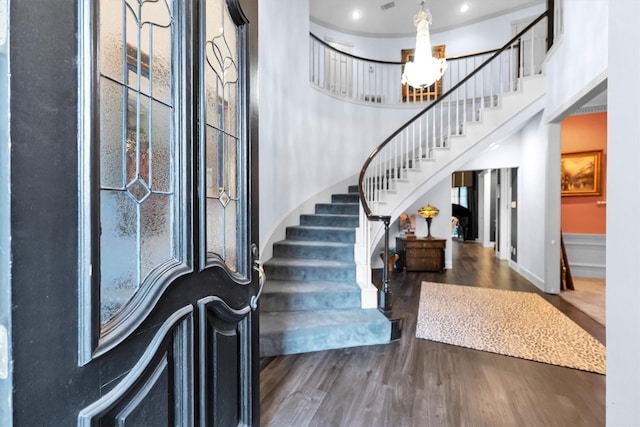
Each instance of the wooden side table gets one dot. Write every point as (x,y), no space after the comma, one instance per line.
(422,254)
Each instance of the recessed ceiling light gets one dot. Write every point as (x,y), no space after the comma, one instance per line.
(465,7)
(355,14)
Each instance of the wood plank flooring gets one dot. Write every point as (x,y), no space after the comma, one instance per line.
(414,382)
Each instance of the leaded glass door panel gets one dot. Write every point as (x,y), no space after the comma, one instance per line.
(133,301)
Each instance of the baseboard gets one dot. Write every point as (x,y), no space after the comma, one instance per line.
(586,253)
(537,281)
(589,271)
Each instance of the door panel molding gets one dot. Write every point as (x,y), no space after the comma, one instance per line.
(225,339)
(123,323)
(170,352)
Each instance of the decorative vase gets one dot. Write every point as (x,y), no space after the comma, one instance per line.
(392,260)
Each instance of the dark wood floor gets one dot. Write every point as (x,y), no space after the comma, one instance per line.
(415,382)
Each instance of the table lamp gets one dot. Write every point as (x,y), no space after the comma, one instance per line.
(428,212)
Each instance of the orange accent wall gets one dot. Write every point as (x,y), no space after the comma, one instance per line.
(585,133)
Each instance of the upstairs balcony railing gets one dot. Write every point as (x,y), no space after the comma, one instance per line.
(369,81)
(460,102)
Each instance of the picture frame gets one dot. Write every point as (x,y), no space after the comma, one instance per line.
(407,223)
(411,94)
(581,173)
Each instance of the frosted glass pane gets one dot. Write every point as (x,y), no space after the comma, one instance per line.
(161,147)
(111,150)
(118,251)
(221,232)
(161,68)
(149,50)
(221,70)
(136,150)
(231,166)
(155,233)
(215,227)
(214,150)
(223,158)
(137,144)
(110,53)
(213,101)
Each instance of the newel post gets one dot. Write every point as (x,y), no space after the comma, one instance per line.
(385,293)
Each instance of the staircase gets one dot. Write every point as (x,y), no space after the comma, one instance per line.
(311,300)
(396,188)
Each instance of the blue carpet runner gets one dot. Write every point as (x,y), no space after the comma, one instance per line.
(311,300)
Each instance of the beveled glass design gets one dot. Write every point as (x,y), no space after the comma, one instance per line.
(137,200)
(224,148)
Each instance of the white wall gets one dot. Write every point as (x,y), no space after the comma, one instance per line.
(577,68)
(623,250)
(308,140)
(600,44)
(531,192)
(579,56)
(298,123)
(438,196)
(525,151)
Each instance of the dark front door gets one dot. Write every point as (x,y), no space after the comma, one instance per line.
(133,276)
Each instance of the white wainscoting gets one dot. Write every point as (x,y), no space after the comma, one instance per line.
(587,254)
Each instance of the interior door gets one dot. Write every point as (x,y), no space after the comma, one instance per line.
(134,274)
(338,69)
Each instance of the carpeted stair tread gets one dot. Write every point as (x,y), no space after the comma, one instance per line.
(345,198)
(336,245)
(338,208)
(310,269)
(285,295)
(303,262)
(304,331)
(321,233)
(318,227)
(313,250)
(330,220)
(307,286)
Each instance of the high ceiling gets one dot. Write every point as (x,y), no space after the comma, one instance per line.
(396,19)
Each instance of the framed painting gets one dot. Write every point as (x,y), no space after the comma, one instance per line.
(407,223)
(416,94)
(581,173)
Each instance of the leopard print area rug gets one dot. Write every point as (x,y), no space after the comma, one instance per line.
(519,324)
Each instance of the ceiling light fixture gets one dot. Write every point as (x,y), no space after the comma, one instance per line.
(465,7)
(355,14)
(424,70)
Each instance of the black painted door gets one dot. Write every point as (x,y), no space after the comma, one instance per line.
(133,189)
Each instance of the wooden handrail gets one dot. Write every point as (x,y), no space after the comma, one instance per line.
(378,61)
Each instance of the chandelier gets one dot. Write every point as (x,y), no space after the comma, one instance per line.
(424,70)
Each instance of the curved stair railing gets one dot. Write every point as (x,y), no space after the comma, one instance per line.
(431,129)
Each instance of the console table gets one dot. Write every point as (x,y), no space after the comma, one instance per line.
(421,254)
